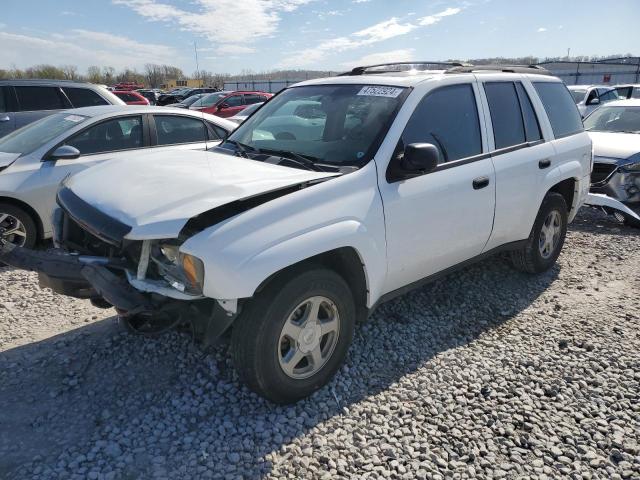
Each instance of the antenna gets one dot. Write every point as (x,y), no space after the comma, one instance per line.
(195,49)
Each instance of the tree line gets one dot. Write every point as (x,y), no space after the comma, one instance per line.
(155,76)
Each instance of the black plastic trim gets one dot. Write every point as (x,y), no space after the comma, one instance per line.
(97,223)
(443,273)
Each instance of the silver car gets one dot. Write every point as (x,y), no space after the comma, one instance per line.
(36,158)
(590,97)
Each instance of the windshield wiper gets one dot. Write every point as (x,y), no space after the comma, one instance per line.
(294,157)
(241,148)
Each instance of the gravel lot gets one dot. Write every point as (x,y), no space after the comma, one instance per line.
(487,373)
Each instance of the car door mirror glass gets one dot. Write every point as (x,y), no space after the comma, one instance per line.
(594,101)
(420,158)
(64,152)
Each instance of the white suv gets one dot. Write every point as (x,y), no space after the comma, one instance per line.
(337,195)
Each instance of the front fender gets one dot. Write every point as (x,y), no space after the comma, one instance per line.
(242,280)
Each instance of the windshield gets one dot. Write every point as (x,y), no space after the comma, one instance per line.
(249,110)
(192,99)
(578,95)
(614,119)
(209,100)
(335,125)
(33,136)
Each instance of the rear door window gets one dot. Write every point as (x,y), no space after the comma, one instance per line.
(84,97)
(447,118)
(234,100)
(562,112)
(39,98)
(175,129)
(531,124)
(250,99)
(109,136)
(506,117)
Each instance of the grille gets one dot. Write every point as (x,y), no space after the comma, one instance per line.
(601,171)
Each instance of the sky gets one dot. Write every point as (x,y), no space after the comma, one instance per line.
(259,35)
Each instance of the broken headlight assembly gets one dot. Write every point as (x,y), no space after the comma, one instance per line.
(182,271)
(633,167)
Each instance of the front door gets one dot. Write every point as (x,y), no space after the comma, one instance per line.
(442,218)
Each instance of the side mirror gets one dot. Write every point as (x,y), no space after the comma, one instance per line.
(64,152)
(222,106)
(594,101)
(420,158)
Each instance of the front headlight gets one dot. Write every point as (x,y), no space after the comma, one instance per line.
(193,269)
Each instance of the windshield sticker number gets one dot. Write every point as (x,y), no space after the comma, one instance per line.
(390,92)
(74,118)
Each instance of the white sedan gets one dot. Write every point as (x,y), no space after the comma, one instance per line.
(36,158)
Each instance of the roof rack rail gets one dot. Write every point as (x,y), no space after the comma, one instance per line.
(365,69)
(535,69)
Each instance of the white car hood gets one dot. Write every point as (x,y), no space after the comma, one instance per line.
(615,145)
(157,193)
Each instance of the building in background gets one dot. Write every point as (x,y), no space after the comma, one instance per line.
(182,82)
(605,72)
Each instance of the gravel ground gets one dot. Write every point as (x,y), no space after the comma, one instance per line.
(487,373)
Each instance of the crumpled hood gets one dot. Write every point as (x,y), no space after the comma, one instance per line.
(7,159)
(157,193)
(615,145)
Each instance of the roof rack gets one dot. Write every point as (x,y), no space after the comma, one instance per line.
(376,69)
(535,69)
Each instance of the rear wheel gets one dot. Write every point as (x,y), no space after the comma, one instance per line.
(547,237)
(294,335)
(17,227)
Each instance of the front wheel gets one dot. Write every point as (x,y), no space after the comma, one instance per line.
(294,335)
(547,237)
(17,227)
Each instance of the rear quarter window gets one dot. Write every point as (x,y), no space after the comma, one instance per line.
(84,97)
(561,110)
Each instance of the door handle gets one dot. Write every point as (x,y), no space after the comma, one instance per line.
(542,164)
(480,182)
(6,118)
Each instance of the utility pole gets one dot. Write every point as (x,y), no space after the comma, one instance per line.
(568,53)
(195,49)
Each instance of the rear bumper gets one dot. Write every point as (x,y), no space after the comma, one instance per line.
(80,276)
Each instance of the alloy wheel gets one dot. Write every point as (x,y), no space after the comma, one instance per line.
(550,234)
(308,337)
(12,230)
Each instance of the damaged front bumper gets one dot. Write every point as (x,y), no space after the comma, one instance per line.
(79,276)
(615,188)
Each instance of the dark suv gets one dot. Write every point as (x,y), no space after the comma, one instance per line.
(24,101)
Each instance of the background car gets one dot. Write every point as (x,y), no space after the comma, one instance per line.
(183,94)
(615,180)
(187,102)
(35,159)
(149,94)
(246,113)
(25,101)
(628,91)
(590,97)
(131,97)
(232,103)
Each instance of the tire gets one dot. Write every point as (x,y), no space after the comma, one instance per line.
(25,220)
(630,221)
(533,258)
(265,355)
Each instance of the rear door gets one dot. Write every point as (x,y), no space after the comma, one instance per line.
(35,102)
(520,156)
(7,116)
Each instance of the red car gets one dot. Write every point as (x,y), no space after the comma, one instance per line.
(131,98)
(228,104)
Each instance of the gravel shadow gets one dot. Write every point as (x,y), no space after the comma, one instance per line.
(88,396)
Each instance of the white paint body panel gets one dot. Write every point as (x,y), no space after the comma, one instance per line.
(615,145)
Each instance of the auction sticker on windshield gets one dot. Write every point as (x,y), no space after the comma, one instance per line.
(378,91)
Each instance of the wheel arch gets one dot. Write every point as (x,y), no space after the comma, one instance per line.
(28,209)
(569,189)
(346,262)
